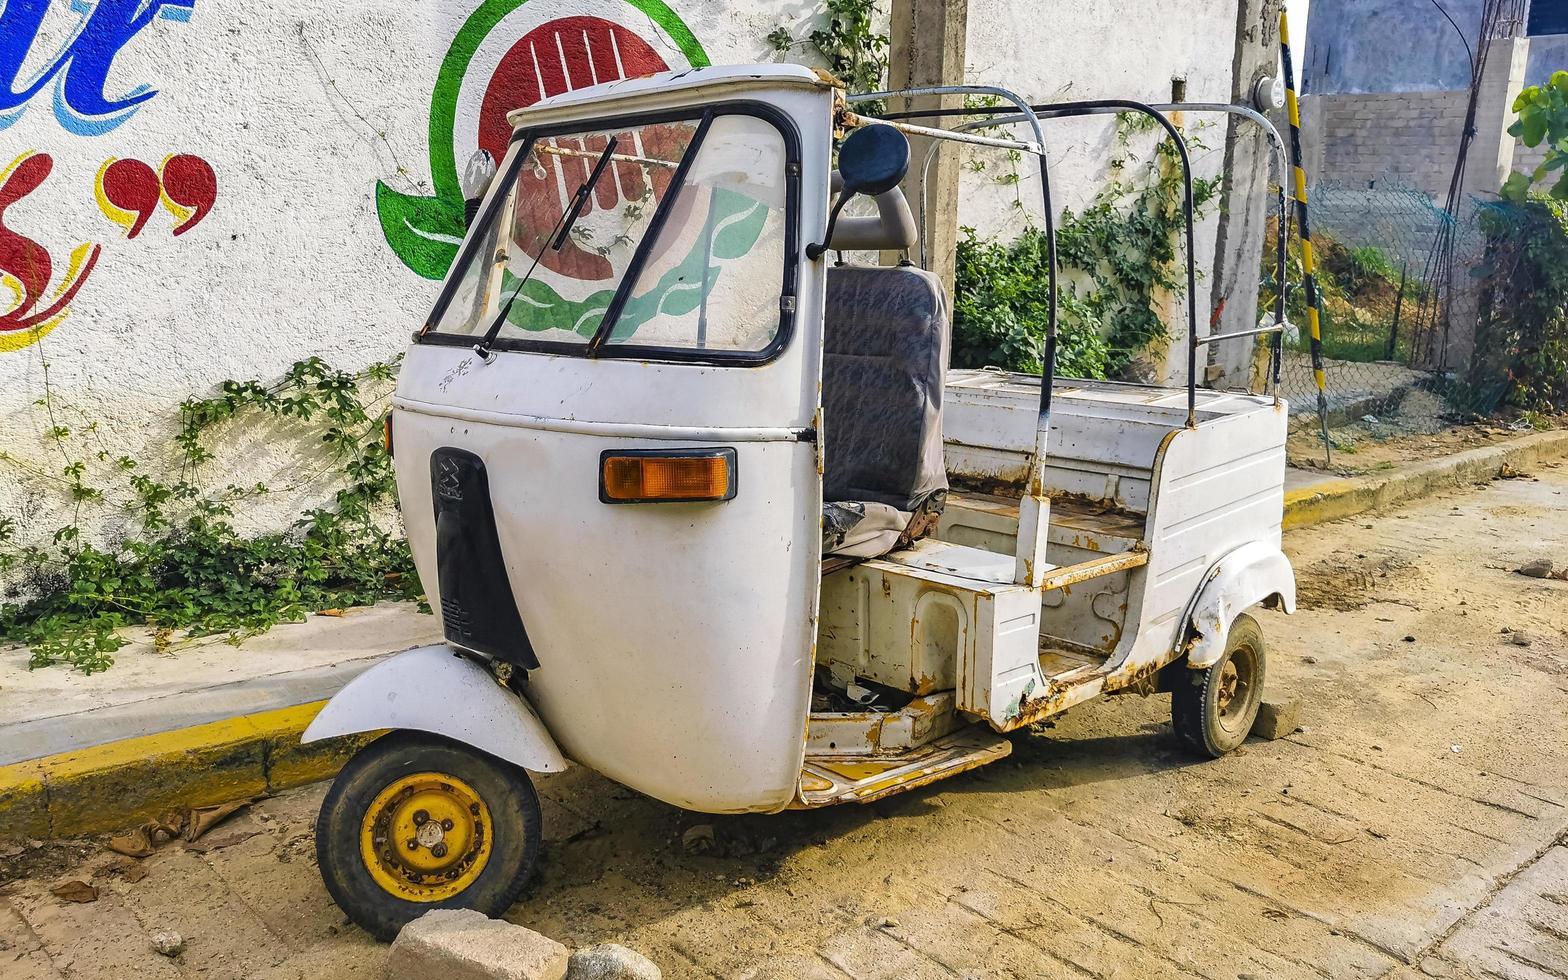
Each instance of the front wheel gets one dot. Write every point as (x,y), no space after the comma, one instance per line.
(1213,710)
(416,822)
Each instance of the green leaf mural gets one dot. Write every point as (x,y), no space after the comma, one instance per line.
(424,232)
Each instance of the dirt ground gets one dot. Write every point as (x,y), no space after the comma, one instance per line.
(1368,447)
(1414,827)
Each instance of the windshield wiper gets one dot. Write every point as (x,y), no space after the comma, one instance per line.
(556,240)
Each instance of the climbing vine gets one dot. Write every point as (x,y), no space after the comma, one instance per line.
(847,40)
(1118,256)
(183,568)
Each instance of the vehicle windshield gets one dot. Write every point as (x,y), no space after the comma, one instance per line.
(684,234)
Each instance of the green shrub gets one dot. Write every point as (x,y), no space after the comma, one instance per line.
(1522,337)
(1001,310)
(1543,118)
(186,567)
(1120,257)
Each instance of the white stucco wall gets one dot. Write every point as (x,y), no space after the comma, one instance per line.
(1101,49)
(295,113)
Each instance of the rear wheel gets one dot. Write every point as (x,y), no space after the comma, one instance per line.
(1213,710)
(416,822)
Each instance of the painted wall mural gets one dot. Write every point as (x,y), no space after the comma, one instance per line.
(550,55)
(27,268)
(79,69)
(37,287)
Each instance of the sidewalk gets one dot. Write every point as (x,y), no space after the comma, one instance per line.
(206,723)
(210,721)
(53,710)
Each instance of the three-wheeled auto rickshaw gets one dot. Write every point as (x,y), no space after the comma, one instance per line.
(701,508)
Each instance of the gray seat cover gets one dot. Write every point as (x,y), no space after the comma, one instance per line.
(886,339)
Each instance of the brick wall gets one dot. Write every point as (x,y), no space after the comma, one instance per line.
(1412,137)
(1357,139)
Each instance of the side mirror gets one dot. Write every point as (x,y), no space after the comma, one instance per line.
(476,178)
(871,160)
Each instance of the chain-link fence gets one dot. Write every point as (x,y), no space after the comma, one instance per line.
(1399,315)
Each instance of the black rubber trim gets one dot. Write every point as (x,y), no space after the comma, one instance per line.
(478,608)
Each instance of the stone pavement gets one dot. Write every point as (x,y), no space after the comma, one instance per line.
(1414,828)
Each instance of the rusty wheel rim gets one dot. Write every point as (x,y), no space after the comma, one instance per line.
(1234,690)
(426,837)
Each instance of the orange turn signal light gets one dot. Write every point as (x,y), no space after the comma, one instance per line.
(666,476)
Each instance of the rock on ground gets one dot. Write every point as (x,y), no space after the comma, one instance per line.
(167,942)
(1276,719)
(1537,568)
(460,944)
(611,961)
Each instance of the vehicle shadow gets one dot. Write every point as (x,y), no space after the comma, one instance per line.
(618,863)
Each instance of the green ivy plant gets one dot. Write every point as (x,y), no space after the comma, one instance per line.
(184,567)
(1543,118)
(1118,256)
(847,40)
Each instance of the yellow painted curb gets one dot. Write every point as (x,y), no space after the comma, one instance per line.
(1334,500)
(120,784)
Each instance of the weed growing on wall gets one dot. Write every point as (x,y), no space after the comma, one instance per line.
(185,568)
(1118,256)
(847,40)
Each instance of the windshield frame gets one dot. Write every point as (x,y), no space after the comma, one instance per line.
(703,115)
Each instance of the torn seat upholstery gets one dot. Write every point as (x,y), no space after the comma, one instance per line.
(886,340)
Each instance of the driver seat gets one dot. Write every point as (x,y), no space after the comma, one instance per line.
(886,339)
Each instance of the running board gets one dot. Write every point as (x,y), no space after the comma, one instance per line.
(824,782)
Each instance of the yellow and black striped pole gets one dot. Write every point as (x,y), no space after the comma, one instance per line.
(1309,262)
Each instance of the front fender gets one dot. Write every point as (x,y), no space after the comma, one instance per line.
(433,689)
(1253,573)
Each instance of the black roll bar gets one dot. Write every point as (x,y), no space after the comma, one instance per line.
(1063,110)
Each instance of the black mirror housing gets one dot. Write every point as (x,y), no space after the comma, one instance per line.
(873,160)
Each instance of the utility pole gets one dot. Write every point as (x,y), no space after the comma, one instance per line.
(928,42)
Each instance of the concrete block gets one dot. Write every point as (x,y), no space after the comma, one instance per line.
(460,944)
(610,961)
(1276,719)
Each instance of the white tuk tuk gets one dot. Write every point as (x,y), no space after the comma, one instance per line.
(703,510)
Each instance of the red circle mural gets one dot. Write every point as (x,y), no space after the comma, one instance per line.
(562,56)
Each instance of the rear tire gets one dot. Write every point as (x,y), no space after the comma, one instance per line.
(417,822)
(1213,710)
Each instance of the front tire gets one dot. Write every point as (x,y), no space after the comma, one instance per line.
(417,822)
(1213,710)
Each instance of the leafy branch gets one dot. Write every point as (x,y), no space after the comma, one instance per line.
(1543,118)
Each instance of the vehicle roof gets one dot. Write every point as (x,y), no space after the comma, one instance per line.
(729,80)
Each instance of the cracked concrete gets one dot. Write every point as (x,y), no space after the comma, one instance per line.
(1415,827)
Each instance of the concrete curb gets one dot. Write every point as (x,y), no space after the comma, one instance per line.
(1335,500)
(120,784)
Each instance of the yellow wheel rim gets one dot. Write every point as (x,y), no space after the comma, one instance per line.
(426,837)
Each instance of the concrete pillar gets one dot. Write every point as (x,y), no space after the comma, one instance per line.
(1244,199)
(1492,152)
(1490,162)
(928,43)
